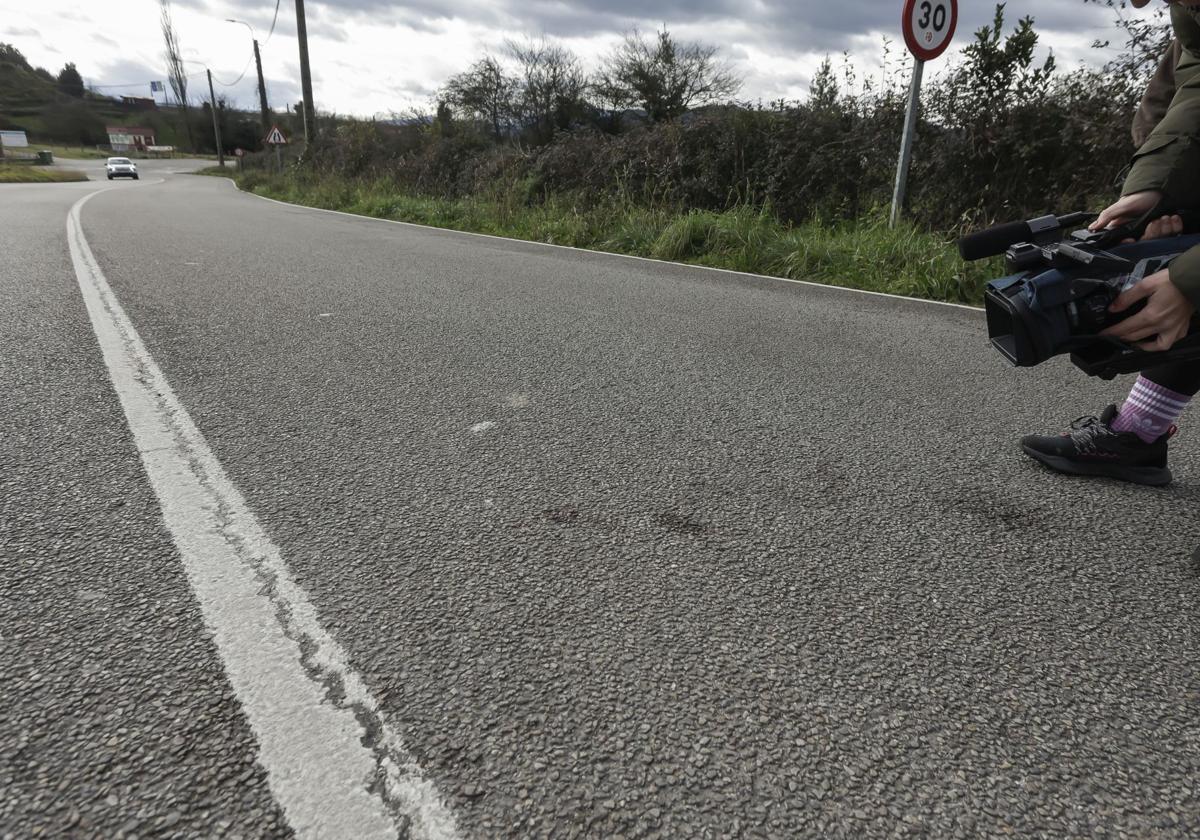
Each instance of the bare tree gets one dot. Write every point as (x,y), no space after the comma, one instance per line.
(484,92)
(552,90)
(664,77)
(1147,39)
(176,73)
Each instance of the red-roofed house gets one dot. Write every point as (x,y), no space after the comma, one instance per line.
(129,138)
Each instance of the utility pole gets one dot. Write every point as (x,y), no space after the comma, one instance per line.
(262,85)
(262,91)
(310,122)
(212,98)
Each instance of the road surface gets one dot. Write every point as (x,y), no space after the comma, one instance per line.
(324,526)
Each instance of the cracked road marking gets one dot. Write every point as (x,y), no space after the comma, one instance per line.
(333,763)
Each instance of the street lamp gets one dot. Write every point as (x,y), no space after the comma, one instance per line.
(262,85)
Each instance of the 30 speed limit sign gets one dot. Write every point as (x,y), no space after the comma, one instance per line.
(929,26)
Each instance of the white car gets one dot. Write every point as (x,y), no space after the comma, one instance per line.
(118,167)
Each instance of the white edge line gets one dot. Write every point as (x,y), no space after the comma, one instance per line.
(319,766)
(747,274)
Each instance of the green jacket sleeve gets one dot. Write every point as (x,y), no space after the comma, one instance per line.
(1185,274)
(1169,160)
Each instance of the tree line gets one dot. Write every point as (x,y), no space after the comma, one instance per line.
(1003,133)
(549,91)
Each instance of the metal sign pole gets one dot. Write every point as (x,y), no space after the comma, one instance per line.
(906,144)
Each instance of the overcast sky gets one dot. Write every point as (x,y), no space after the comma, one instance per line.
(377,57)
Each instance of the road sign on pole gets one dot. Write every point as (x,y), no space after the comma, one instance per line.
(928,27)
(275,138)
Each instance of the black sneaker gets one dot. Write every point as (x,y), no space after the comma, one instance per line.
(1093,448)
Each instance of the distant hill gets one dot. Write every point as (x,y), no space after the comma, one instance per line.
(30,101)
(19,80)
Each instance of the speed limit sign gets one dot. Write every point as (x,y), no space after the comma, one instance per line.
(929,26)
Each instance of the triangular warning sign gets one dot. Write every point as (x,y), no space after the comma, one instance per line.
(275,137)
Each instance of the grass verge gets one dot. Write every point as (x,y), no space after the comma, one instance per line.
(862,254)
(75,152)
(38,175)
(92,153)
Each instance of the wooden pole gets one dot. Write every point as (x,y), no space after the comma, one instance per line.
(212,99)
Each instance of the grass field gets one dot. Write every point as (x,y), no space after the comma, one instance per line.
(92,153)
(37,175)
(862,254)
(78,152)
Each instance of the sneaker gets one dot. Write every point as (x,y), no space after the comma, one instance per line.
(1093,448)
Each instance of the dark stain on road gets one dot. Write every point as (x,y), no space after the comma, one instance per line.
(563,515)
(684,523)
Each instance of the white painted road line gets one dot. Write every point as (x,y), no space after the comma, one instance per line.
(334,765)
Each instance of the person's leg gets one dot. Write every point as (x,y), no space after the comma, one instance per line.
(1130,445)
(1158,398)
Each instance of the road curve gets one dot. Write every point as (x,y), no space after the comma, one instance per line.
(621,548)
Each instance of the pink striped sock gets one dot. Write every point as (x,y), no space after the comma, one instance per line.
(1150,410)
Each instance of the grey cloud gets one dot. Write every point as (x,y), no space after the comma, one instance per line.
(415,12)
(740,29)
(198,5)
(125,77)
(813,26)
(328,31)
(280,93)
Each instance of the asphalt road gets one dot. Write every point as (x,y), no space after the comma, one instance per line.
(620,549)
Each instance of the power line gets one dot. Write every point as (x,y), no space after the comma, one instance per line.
(239,78)
(145,84)
(269,34)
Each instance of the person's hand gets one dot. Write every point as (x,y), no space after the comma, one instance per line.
(1166,315)
(1163,227)
(1128,209)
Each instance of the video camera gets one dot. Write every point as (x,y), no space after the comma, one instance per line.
(1055,299)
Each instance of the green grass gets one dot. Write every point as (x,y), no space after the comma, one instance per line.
(862,254)
(77,152)
(37,175)
(88,153)
(92,153)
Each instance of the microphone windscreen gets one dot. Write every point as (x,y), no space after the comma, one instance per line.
(993,241)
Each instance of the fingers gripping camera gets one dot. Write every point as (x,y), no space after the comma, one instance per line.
(1059,295)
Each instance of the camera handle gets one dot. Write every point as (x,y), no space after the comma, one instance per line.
(1134,230)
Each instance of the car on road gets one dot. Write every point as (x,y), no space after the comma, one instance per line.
(119,167)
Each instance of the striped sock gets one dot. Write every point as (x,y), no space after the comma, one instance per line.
(1150,410)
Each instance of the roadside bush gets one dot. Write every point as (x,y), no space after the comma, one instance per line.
(1001,137)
